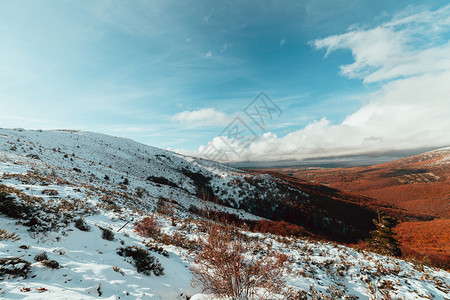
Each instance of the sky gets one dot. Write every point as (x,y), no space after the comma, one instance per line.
(296,79)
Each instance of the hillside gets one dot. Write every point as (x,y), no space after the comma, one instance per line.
(419,184)
(146,174)
(77,196)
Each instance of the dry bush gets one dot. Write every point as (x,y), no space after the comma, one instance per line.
(4,236)
(41,256)
(118,270)
(426,239)
(51,264)
(226,266)
(50,192)
(107,233)
(31,211)
(148,227)
(14,267)
(81,224)
(177,239)
(281,228)
(145,262)
(156,248)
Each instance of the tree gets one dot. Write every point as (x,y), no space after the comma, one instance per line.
(227,266)
(383,239)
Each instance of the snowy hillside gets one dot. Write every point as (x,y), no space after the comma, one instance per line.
(53,181)
(97,162)
(109,161)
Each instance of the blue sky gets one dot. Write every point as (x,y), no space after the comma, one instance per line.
(174,74)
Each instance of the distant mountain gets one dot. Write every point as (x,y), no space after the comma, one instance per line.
(419,184)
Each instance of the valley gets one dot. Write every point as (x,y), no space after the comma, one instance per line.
(418,185)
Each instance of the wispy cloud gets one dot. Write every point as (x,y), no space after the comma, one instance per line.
(202,117)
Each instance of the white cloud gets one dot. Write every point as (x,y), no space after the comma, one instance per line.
(202,117)
(392,49)
(208,54)
(410,58)
(282,43)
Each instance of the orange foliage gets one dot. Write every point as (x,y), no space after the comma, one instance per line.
(430,238)
(279,228)
(419,185)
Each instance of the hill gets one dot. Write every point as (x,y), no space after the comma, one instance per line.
(419,184)
(146,174)
(78,197)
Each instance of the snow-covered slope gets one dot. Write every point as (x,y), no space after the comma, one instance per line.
(98,164)
(52,178)
(108,161)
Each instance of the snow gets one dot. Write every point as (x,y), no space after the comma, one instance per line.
(87,260)
(96,156)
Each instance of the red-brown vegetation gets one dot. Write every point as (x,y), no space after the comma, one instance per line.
(281,228)
(227,266)
(418,185)
(148,227)
(429,239)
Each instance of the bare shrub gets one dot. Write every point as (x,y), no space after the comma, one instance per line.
(51,264)
(41,256)
(14,267)
(107,233)
(4,236)
(145,262)
(156,248)
(148,227)
(177,239)
(50,192)
(81,224)
(31,211)
(226,266)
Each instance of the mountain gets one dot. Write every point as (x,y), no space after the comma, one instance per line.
(419,184)
(78,197)
(151,173)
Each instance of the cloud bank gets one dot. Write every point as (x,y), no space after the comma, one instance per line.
(408,60)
